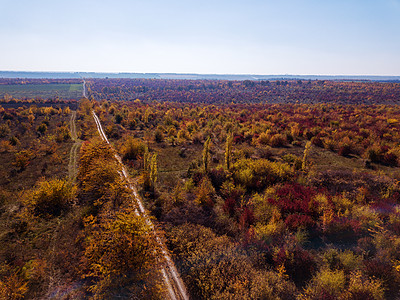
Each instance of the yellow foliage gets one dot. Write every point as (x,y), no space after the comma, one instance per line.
(50,198)
(120,252)
(261,173)
(13,288)
(205,192)
(326,282)
(369,288)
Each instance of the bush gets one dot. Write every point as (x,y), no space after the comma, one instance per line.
(261,173)
(158,136)
(293,160)
(295,203)
(361,287)
(132,149)
(42,128)
(4,130)
(121,252)
(22,159)
(278,140)
(62,134)
(328,283)
(298,263)
(214,268)
(51,198)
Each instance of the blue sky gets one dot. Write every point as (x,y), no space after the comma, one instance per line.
(332,37)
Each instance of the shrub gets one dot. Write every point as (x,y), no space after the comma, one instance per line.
(261,173)
(293,160)
(214,268)
(158,136)
(42,128)
(205,193)
(13,287)
(361,287)
(317,141)
(120,252)
(295,203)
(328,283)
(132,149)
(345,149)
(51,198)
(62,134)
(22,159)
(4,130)
(298,263)
(278,140)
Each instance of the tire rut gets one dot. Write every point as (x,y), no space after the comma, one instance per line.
(73,154)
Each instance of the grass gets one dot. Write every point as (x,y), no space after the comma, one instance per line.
(65,91)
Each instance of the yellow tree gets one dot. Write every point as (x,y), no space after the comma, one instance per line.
(307,150)
(121,256)
(228,151)
(206,150)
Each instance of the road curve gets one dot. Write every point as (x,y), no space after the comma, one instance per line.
(172,280)
(84,94)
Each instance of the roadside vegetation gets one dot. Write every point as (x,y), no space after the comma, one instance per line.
(63,238)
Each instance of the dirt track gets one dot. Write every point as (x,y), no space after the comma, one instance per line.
(73,155)
(176,288)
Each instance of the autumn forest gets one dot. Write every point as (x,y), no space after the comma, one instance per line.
(202,189)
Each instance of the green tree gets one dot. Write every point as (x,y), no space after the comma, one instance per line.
(206,150)
(228,152)
(153,171)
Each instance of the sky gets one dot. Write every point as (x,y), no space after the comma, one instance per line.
(300,37)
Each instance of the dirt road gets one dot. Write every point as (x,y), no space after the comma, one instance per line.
(73,154)
(176,288)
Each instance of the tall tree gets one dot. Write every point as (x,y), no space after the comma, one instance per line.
(153,171)
(228,151)
(206,150)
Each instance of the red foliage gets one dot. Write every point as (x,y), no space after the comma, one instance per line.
(295,204)
(299,264)
(247,217)
(294,221)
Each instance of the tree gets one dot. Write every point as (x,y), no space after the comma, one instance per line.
(206,150)
(42,128)
(228,151)
(132,149)
(307,150)
(121,256)
(153,171)
(146,169)
(22,159)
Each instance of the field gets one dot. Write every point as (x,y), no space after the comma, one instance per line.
(65,91)
(262,190)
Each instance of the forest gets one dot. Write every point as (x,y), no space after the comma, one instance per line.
(259,190)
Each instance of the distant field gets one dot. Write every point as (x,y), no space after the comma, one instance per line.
(63,90)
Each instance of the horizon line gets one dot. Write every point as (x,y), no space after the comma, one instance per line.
(193,73)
